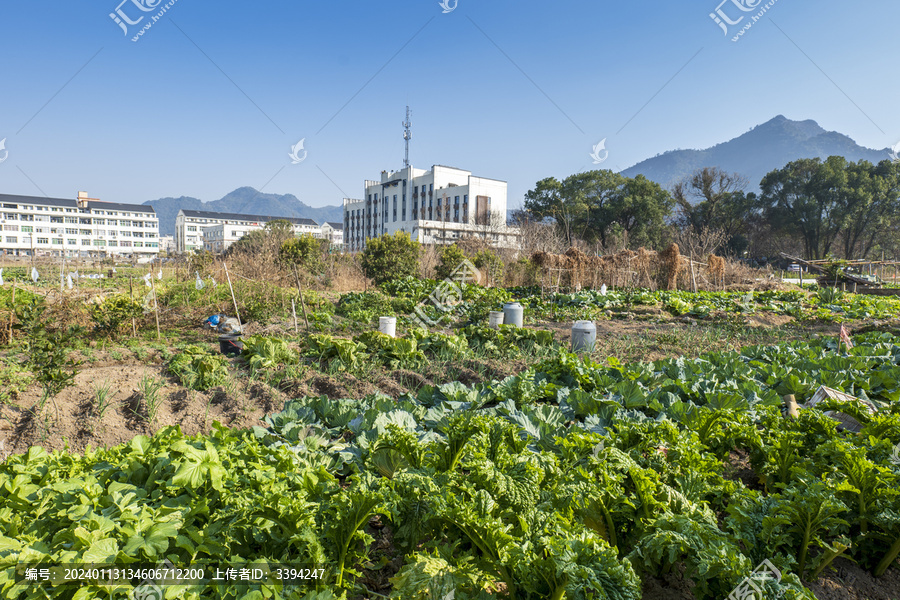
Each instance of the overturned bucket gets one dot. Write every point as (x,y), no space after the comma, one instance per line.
(230,345)
(514,314)
(584,336)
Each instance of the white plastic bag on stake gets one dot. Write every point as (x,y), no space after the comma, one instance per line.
(603,290)
(214,284)
(199,284)
(34,274)
(148,305)
(1,276)
(69,281)
(146,279)
(159,275)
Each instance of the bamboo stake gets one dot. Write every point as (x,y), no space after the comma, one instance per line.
(131,291)
(12,311)
(230,287)
(294,313)
(302,301)
(693,278)
(155,307)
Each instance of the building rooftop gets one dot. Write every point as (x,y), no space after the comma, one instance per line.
(336,224)
(62,202)
(204,214)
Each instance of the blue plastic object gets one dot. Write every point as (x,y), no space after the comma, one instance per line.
(213,320)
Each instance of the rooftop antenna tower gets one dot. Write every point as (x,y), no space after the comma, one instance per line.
(407,135)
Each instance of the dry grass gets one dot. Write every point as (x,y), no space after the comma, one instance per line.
(644,268)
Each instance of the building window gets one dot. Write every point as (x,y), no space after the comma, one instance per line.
(85,242)
(12,240)
(27,228)
(456,200)
(43,240)
(57,241)
(71,242)
(10,228)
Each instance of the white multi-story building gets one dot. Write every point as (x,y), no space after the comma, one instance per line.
(167,244)
(435,207)
(334,232)
(84,227)
(190,227)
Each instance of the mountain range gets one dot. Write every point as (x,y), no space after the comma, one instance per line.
(246,201)
(754,154)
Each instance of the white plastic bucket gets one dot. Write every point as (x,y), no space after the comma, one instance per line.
(388,326)
(495,319)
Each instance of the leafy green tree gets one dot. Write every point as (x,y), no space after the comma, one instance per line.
(450,258)
(390,257)
(304,251)
(596,205)
(714,201)
(804,197)
(872,205)
(640,209)
(547,201)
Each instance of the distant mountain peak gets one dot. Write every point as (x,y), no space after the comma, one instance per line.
(764,148)
(244,200)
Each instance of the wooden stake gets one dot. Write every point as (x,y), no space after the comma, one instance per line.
(294,314)
(12,311)
(693,278)
(302,302)
(131,290)
(230,287)
(155,307)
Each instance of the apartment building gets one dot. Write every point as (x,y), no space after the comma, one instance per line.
(437,206)
(334,232)
(226,228)
(81,227)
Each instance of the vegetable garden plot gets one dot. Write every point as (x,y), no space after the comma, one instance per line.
(570,480)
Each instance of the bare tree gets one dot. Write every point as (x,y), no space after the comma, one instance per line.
(699,244)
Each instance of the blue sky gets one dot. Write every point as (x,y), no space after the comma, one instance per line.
(214,95)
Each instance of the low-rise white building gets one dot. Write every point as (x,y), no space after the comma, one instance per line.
(435,207)
(334,232)
(191,225)
(82,227)
(167,244)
